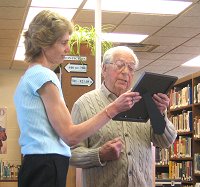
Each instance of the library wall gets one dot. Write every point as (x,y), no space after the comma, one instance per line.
(8,82)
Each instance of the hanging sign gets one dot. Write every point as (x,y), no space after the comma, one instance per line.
(76,58)
(81,81)
(81,68)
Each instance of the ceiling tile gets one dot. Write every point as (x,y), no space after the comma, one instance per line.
(183,21)
(147,20)
(84,24)
(107,17)
(20,65)
(158,40)
(9,34)
(5,57)
(136,29)
(148,55)
(178,32)
(113,17)
(163,48)
(8,42)
(4,64)
(11,3)
(198,36)
(171,63)
(85,16)
(143,62)
(181,57)
(156,69)
(194,11)
(193,42)
(11,13)
(183,71)
(10,24)
(6,50)
(187,50)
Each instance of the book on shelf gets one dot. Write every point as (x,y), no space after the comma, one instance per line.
(197,184)
(161,156)
(197,93)
(180,170)
(181,97)
(183,121)
(197,163)
(182,147)
(197,127)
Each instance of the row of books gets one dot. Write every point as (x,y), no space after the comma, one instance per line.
(180,170)
(182,147)
(183,121)
(180,97)
(162,156)
(197,93)
(8,170)
(162,175)
(197,127)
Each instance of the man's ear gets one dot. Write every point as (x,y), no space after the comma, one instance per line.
(103,70)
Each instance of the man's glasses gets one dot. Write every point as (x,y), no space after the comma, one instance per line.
(121,65)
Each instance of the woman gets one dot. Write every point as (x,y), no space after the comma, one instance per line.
(46,128)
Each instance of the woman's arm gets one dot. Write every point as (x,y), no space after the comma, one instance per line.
(60,119)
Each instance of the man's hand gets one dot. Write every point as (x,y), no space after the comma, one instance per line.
(162,101)
(111,150)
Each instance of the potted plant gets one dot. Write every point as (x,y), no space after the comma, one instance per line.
(86,36)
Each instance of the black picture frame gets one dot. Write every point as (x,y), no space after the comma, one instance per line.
(150,83)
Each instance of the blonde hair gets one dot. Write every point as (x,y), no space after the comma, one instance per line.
(44,30)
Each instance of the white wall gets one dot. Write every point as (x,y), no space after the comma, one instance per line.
(8,82)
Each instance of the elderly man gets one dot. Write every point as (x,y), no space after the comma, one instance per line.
(119,154)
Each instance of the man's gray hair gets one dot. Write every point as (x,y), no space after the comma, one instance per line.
(108,55)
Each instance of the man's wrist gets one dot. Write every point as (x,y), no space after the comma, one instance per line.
(102,163)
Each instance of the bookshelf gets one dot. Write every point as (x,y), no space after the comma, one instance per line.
(182,159)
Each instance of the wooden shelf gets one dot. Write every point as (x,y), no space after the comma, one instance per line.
(181,159)
(8,179)
(162,166)
(191,80)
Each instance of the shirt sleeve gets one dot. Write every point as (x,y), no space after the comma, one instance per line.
(41,76)
(167,138)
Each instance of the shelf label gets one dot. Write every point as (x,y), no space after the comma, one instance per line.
(81,68)
(81,81)
(76,58)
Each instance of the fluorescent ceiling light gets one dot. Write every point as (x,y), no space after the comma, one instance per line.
(57,3)
(140,6)
(33,11)
(123,38)
(19,55)
(195,62)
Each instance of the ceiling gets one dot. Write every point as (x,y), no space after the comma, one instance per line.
(173,39)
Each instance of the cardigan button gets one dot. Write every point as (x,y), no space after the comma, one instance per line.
(126,135)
